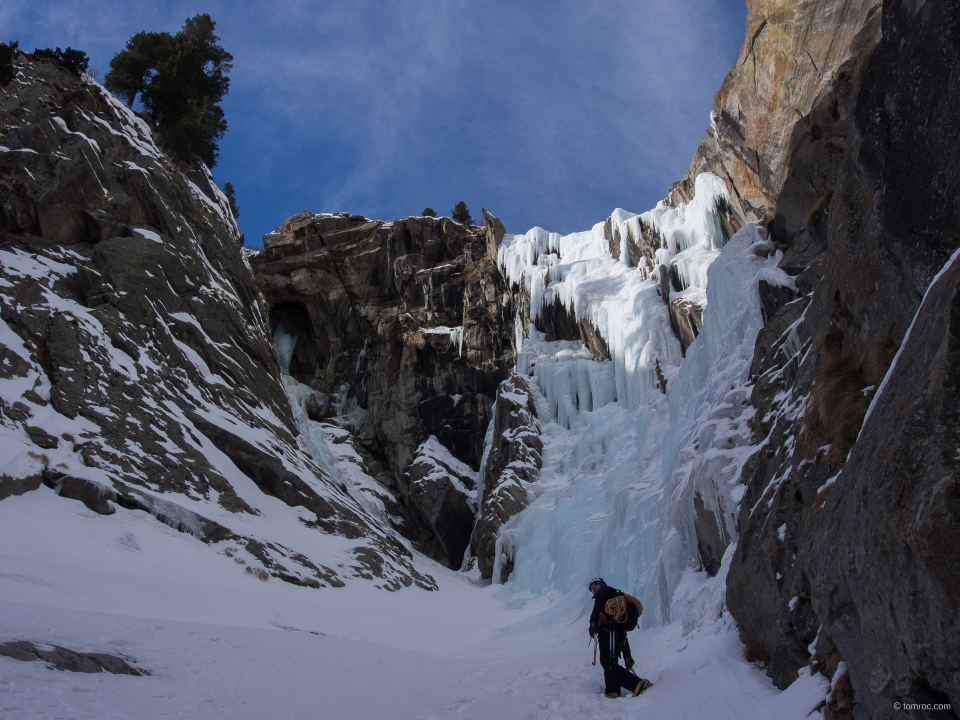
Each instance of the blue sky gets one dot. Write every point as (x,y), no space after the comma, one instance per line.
(546,113)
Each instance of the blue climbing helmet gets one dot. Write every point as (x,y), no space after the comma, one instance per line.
(596,581)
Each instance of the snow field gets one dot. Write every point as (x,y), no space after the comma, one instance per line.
(221,644)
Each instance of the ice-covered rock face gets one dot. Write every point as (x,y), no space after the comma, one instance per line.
(611,302)
(642,447)
(137,372)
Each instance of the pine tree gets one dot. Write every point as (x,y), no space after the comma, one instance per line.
(7,53)
(132,69)
(228,191)
(461,213)
(179,79)
(428,212)
(76,61)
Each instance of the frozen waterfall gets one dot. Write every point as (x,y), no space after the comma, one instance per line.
(624,459)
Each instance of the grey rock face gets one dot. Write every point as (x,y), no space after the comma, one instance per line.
(513,463)
(408,319)
(443,490)
(712,538)
(845,528)
(883,564)
(494,231)
(135,322)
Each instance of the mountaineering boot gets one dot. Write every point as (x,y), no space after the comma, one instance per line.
(613,695)
(643,685)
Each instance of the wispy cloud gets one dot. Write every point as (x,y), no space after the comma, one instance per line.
(549,113)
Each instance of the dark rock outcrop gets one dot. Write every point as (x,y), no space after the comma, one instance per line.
(512,464)
(320,407)
(407,321)
(132,325)
(848,530)
(63,659)
(641,251)
(18,485)
(712,538)
(557,322)
(686,317)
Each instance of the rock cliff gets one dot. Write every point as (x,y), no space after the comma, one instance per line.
(138,369)
(792,55)
(848,524)
(137,372)
(409,323)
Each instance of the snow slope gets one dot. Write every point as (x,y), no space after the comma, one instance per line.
(221,644)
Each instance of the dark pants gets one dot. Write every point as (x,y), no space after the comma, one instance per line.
(614,675)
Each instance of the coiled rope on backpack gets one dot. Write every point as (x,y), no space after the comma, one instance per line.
(616,608)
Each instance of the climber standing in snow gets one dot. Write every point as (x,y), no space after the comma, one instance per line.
(612,642)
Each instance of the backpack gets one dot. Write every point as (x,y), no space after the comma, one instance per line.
(624,610)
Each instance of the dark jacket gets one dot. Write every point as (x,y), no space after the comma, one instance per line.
(598,618)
